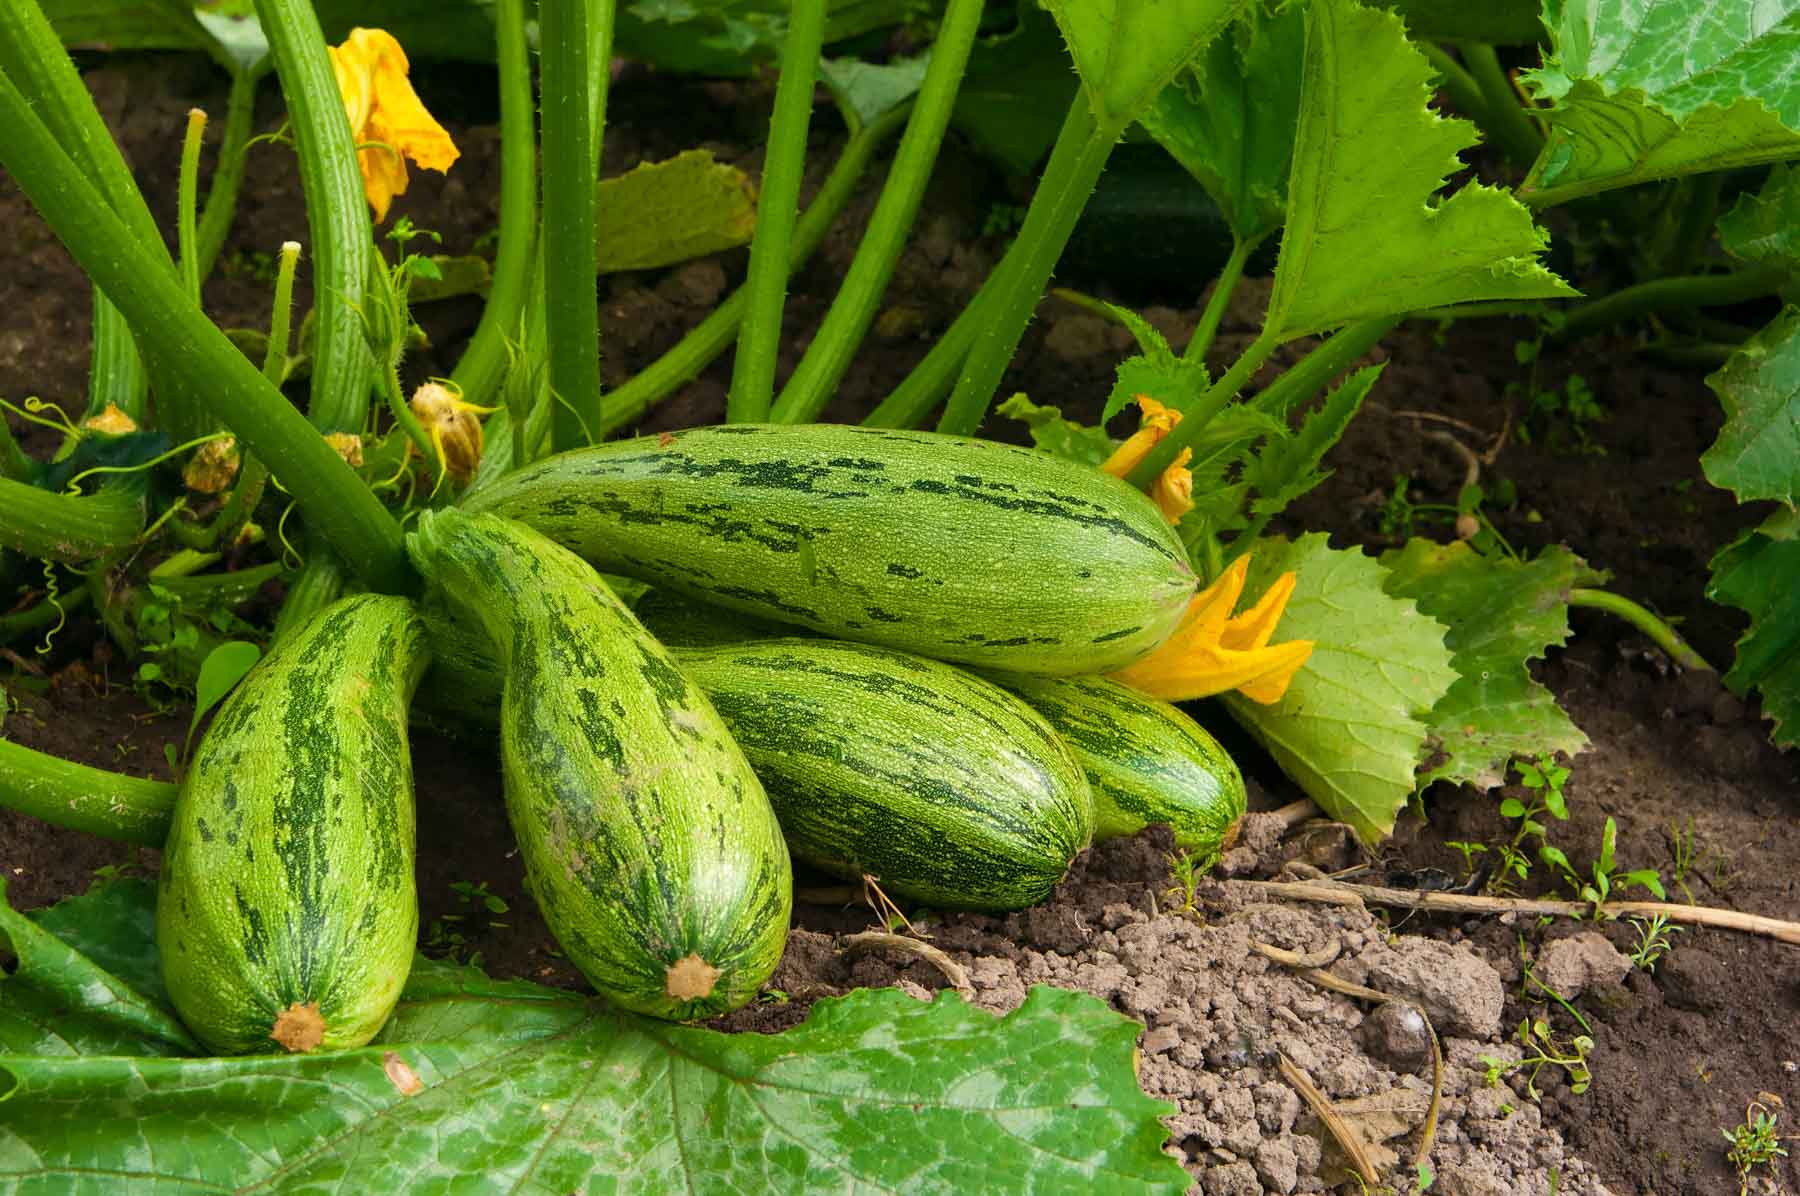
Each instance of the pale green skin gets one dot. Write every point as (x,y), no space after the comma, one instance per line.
(647,838)
(287,877)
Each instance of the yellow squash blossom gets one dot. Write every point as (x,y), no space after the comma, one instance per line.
(387,120)
(1212,651)
(1173,492)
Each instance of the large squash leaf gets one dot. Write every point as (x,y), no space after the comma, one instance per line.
(1757,454)
(1760,573)
(1366,234)
(1500,614)
(1764,226)
(1651,89)
(484,1085)
(1351,729)
(1127,51)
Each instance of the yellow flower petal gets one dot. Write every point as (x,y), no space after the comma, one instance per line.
(1212,652)
(1173,492)
(386,116)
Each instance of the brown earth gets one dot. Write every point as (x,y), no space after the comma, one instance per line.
(1679,1051)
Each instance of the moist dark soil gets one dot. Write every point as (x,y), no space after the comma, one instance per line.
(1683,766)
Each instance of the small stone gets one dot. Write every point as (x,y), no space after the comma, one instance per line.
(1396,1034)
(1571,966)
(1277,1167)
(1161,1039)
(1231,1179)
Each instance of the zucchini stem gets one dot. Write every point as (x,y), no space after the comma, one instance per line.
(1657,630)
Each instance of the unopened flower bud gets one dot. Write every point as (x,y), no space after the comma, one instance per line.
(454,427)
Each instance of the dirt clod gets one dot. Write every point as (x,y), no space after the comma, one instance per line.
(1571,966)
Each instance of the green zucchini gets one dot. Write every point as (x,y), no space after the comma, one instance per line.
(648,841)
(958,549)
(941,785)
(286,914)
(1145,760)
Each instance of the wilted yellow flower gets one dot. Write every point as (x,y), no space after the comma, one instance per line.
(1212,651)
(454,426)
(348,445)
(1174,490)
(212,467)
(387,120)
(113,422)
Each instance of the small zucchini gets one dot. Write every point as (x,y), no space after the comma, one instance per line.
(286,914)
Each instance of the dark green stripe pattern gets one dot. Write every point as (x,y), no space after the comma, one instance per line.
(941,785)
(1145,760)
(287,877)
(959,549)
(649,844)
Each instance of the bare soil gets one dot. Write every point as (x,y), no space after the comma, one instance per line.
(1674,758)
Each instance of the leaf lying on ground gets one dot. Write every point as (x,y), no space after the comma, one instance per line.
(670,211)
(529,1088)
(1350,730)
(1500,614)
(1757,454)
(1652,89)
(1760,574)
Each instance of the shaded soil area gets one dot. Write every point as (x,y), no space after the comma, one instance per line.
(1682,766)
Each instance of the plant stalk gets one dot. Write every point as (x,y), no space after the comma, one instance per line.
(1656,630)
(183,343)
(1312,373)
(1193,422)
(228,174)
(336,213)
(1465,94)
(1221,298)
(483,364)
(1663,294)
(570,307)
(1075,165)
(187,188)
(771,252)
(1506,120)
(80,798)
(67,527)
(830,353)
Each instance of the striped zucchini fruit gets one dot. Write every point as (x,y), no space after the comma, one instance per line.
(959,549)
(1145,760)
(649,844)
(287,914)
(941,785)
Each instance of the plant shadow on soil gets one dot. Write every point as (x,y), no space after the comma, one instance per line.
(1679,1052)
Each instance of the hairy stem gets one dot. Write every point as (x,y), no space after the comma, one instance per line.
(1221,298)
(1665,294)
(1506,121)
(1655,629)
(80,798)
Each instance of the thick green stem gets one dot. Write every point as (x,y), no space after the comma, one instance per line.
(683,363)
(1506,122)
(14,464)
(784,162)
(929,381)
(80,798)
(314,588)
(478,374)
(1655,629)
(1194,420)
(67,527)
(1221,298)
(336,212)
(42,614)
(1075,165)
(834,346)
(1465,94)
(183,343)
(254,474)
(228,175)
(1696,223)
(1663,294)
(187,203)
(1312,373)
(570,307)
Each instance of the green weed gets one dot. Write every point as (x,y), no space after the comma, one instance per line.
(1754,1143)
(1653,941)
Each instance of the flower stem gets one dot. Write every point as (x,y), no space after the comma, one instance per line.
(1076,162)
(483,363)
(684,362)
(80,798)
(1193,422)
(1221,298)
(336,212)
(1658,631)
(822,368)
(228,174)
(187,237)
(784,162)
(184,345)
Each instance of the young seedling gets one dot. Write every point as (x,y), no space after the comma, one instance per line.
(1754,1143)
(1544,779)
(1681,852)
(1186,869)
(1653,941)
(1542,1049)
(1604,878)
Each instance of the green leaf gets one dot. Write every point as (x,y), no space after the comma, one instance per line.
(664,212)
(1230,119)
(125,24)
(1760,573)
(1366,234)
(1058,436)
(511,1086)
(222,669)
(730,37)
(1350,729)
(1127,51)
(59,1002)
(1015,90)
(1652,89)
(1288,467)
(865,91)
(1500,614)
(453,276)
(1156,371)
(1757,454)
(1764,226)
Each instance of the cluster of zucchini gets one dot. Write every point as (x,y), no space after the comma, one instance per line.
(815,585)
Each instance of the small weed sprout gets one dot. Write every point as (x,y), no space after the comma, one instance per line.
(1544,778)
(1653,941)
(1754,1143)
(1681,854)
(478,916)
(1468,851)
(1542,1049)
(1186,869)
(1605,877)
